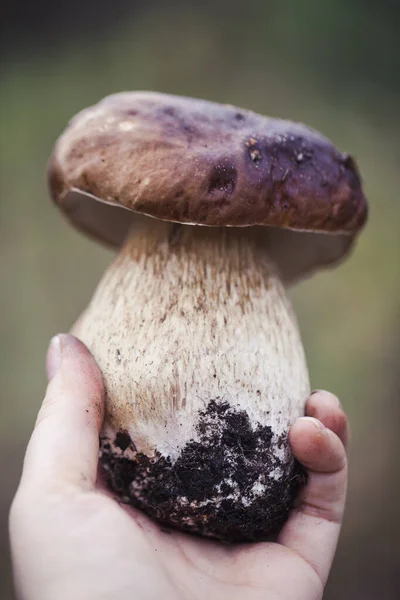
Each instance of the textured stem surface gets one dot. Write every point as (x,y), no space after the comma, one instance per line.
(202,362)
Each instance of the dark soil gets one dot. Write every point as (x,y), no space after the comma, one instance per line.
(209,488)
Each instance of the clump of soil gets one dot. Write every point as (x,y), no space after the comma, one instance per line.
(229,483)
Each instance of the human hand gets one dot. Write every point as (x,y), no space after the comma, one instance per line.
(71,539)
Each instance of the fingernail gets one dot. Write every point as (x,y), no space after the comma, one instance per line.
(328,395)
(53,361)
(315,422)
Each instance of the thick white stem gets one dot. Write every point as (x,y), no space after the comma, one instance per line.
(186,316)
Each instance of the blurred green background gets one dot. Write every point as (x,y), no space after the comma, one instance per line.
(333,65)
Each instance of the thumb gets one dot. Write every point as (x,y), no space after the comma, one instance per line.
(64,446)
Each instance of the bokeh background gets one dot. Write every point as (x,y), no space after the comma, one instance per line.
(335,66)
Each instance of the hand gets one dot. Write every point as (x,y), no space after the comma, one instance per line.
(72,540)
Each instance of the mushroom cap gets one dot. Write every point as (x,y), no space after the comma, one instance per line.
(202,163)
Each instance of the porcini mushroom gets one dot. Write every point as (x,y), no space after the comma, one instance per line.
(202,360)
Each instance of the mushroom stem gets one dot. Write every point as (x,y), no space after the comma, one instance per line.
(187,316)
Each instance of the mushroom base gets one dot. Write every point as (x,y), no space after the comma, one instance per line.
(236,482)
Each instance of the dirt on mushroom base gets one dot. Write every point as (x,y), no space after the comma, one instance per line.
(222,485)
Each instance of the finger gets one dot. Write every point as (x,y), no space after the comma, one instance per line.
(313,527)
(64,447)
(326,407)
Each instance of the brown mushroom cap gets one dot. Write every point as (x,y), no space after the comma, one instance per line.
(203,163)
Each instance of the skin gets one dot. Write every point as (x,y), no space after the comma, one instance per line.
(71,539)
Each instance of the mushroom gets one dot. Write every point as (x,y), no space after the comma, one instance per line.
(191,326)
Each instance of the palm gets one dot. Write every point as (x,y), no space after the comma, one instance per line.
(184,566)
